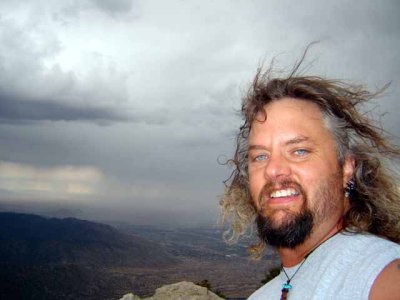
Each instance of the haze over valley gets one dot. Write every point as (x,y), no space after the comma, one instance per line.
(51,258)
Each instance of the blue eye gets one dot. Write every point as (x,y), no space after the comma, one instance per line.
(260,157)
(301,152)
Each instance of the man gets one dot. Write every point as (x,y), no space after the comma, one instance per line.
(314,174)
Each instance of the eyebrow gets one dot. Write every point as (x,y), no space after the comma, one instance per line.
(293,141)
(298,140)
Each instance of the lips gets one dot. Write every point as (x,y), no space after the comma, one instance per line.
(282,193)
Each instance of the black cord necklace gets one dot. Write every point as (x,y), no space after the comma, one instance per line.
(286,287)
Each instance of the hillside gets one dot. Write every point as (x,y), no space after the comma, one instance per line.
(34,240)
(48,258)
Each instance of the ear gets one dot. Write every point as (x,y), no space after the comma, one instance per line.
(348,169)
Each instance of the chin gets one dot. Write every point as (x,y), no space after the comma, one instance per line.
(285,232)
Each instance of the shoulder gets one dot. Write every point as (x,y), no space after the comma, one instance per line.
(386,285)
(271,290)
(373,261)
(369,243)
(358,250)
(365,253)
(347,265)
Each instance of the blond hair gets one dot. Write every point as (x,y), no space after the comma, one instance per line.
(375,201)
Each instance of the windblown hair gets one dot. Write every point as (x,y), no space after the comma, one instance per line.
(375,201)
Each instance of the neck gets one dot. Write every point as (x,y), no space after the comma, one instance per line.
(293,256)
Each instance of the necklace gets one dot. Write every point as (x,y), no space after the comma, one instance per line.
(286,287)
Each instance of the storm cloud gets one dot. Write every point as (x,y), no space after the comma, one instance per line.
(144,96)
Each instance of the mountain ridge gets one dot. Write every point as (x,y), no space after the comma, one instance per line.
(50,258)
(32,240)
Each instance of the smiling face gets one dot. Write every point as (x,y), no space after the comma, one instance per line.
(296,182)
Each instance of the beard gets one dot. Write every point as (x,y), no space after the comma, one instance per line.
(296,227)
(292,232)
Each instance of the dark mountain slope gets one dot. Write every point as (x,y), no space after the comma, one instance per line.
(48,258)
(34,240)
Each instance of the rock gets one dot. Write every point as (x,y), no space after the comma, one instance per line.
(184,291)
(130,296)
(178,291)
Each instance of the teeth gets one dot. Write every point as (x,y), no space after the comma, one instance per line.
(283,193)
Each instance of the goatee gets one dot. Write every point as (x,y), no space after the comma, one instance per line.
(292,232)
(297,226)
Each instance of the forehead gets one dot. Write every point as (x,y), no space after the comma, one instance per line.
(287,118)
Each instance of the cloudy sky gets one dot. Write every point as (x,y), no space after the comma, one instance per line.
(120,109)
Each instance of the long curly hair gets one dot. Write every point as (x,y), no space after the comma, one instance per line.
(375,200)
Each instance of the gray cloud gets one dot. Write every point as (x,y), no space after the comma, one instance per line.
(167,77)
(115,6)
(16,111)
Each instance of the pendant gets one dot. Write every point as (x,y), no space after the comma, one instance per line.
(284,294)
(286,286)
(285,290)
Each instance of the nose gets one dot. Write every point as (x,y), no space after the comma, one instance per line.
(277,166)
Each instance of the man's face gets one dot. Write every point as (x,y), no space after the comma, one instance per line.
(296,182)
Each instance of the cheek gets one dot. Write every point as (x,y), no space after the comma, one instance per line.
(318,179)
(309,178)
(256,183)
(315,168)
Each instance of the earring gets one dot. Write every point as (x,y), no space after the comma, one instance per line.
(351,184)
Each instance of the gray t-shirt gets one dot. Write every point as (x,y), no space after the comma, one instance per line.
(342,268)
